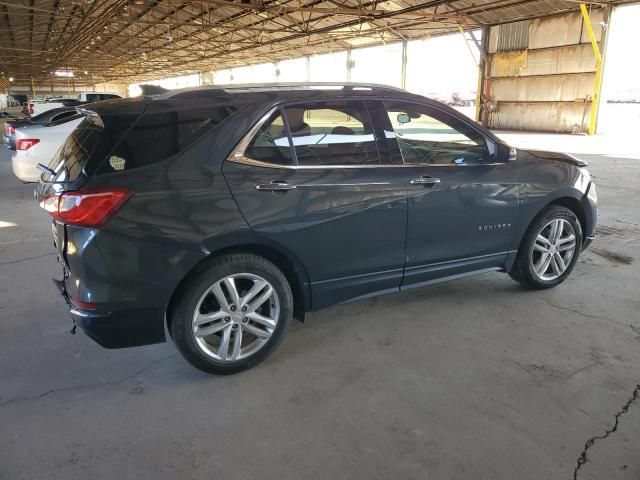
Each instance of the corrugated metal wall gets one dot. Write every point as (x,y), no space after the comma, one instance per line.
(514,36)
(542,73)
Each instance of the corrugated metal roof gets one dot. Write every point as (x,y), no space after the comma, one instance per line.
(129,40)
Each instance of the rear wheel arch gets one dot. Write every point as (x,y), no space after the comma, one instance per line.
(290,266)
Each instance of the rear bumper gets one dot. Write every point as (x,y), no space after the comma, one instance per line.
(118,328)
(129,280)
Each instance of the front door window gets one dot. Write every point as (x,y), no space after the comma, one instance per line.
(430,136)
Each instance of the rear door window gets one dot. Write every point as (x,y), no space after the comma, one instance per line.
(332,133)
(271,143)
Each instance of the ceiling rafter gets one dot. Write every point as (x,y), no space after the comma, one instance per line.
(133,40)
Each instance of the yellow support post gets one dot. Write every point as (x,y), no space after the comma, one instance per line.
(595,97)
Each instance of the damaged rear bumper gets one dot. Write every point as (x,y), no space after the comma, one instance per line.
(115,328)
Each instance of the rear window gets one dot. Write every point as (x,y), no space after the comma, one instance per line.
(63,115)
(41,116)
(98,97)
(72,157)
(111,142)
(162,132)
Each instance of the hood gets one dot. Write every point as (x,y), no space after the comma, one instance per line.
(557,157)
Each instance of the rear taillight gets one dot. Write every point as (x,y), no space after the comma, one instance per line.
(31,109)
(83,305)
(86,208)
(26,143)
(9,130)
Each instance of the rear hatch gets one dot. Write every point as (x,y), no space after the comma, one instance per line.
(88,145)
(116,139)
(81,156)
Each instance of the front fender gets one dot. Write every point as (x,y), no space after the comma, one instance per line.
(543,182)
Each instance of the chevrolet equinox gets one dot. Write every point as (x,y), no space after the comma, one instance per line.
(217,214)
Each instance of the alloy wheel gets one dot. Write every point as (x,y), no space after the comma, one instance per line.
(553,249)
(235,317)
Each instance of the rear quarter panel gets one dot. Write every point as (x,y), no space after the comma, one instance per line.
(164,230)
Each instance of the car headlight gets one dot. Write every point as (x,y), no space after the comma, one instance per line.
(592,194)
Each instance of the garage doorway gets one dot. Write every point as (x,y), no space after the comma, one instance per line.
(620,99)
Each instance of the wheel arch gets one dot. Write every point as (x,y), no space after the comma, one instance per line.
(286,261)
(575,206)
(566,200)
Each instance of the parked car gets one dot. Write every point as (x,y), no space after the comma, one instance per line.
(50,116)
(36,107)
(38,145)
(219,213)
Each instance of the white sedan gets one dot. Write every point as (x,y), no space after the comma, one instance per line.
(36,145)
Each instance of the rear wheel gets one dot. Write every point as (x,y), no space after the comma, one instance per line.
(232,314)
(549,250)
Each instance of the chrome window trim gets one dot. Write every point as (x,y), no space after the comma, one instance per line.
(242,159)
(239,149)
(238,156)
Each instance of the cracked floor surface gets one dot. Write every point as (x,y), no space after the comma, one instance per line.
(471,379)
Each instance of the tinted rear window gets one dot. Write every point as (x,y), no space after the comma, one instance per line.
(72,157)
(162,132)
(112,142)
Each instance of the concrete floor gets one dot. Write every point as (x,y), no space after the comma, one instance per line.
(473,379)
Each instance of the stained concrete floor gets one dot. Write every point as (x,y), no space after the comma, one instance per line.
(473,379)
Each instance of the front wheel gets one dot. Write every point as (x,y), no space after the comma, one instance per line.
(232,313)
(549,250)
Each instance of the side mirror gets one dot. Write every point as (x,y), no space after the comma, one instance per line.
(502,152)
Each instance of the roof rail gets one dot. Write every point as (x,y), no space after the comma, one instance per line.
(253,87)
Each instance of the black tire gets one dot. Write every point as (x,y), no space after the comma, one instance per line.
(522,270)
(191,292)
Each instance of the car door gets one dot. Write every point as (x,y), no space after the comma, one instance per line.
(310,180)
(462,201)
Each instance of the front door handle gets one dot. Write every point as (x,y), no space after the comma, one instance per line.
(275,186)
(425,180)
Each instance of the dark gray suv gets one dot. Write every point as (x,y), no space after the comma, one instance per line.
(218,214)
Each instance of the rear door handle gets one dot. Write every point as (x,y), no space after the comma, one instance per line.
(425,180)
(275,186)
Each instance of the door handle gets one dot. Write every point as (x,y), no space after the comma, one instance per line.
(275,186)
(425,180)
